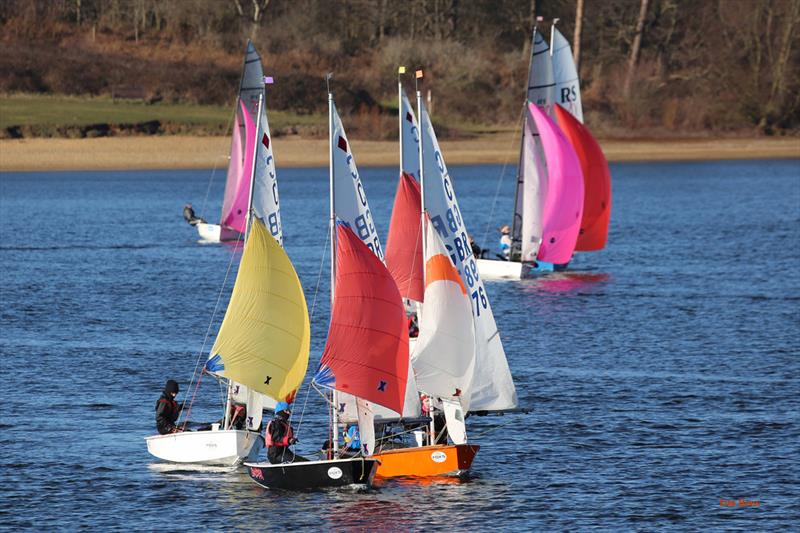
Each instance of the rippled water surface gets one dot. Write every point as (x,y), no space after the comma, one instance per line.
(661,373)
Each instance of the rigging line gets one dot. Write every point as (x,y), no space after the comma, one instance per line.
(520,120)
(191,403)
(319,275)
(213,314)
(228,131)
(303,411)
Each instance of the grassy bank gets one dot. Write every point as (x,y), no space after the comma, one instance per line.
(30,116)
(183,151)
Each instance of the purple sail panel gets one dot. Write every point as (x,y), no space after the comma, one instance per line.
(563,206)
(236,217)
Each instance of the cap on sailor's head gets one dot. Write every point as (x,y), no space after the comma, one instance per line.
(282,406)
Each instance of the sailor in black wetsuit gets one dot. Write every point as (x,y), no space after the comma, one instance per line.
(167,409)
(279,436)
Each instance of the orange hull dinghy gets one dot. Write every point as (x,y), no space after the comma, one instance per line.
(426,461)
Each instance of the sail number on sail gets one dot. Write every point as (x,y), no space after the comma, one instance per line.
(451,229)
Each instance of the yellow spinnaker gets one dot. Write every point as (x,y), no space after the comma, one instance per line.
(265,336)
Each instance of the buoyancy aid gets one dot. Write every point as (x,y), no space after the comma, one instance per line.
(288,434)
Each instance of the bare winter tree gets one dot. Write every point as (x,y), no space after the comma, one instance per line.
(258,8)
(576,41)
(637,43)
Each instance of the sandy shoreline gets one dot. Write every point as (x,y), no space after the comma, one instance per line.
(167,152)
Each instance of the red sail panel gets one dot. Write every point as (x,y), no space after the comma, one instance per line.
(597,183)
(404,246)
(366,354)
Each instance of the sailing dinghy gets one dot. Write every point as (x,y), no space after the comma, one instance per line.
(251,160)
(261,350)
(365,364)
(458,359)
(542,200)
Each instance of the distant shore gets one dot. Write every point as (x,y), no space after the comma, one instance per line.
(174,152)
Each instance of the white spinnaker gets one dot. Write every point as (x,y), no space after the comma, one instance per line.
(492,386)
(444,356)
(351,206)
(265,182)
(533,169)
(410,163)
(568,87)
(349,199)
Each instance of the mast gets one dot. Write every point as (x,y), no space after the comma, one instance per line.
(400,72)
(516,230)
(246,232)
(334,397)
(419,75)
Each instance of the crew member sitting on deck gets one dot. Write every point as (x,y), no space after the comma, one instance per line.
(413,326)
(167,409)
(190,217)
(505,243)
(477,251)
(279,436)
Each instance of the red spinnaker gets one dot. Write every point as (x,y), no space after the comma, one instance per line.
(366,354)
(597,183)
(404,245)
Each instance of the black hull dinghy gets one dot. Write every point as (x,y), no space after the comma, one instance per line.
(307,475)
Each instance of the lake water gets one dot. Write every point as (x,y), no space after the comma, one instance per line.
(661,373)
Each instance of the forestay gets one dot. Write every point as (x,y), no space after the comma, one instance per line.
(492,387)
(568,87)
(263,342)
(563,207)
(444,357)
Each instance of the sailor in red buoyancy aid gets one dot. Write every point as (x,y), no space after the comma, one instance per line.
(279,436)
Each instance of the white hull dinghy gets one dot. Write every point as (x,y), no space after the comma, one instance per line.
(215,448)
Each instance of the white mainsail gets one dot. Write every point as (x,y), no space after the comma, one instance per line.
(492,386)
(444,356)
(265,202)
(532,175)
(568,87)
(409,139)
(350,200)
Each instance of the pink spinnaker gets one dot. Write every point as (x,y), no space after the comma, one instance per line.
(234,169)
(563,207)
(235,217)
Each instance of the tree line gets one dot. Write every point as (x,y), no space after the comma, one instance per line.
(646,66)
